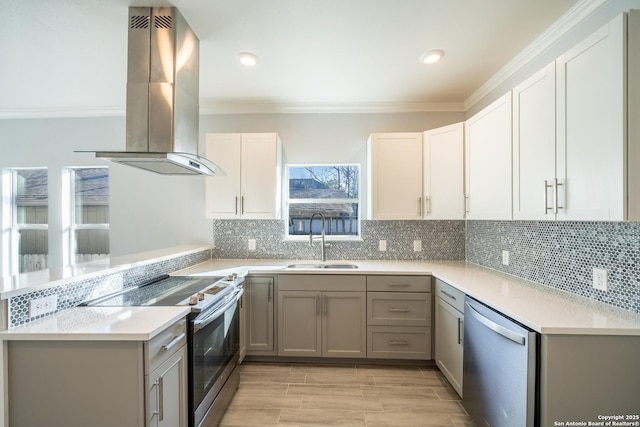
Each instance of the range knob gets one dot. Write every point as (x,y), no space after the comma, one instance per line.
(200,296)
(193,300)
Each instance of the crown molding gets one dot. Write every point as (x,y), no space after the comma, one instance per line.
(578,13)
(329,108)
(61,113)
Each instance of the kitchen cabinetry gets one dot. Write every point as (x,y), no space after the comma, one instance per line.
(570,146)
(444,172)
(399,317)
(395,175)
(100,383)
(488,162)
(259,298)
(321,316)
(449,321)
(251,187)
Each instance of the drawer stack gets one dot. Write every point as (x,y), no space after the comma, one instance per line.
(399,317)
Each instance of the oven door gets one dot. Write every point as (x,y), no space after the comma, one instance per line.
(214,355)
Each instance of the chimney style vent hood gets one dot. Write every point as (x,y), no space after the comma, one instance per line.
(162,112)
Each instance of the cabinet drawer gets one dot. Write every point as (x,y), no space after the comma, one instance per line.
(399,308)
(163,345)
(321,282)
(399,283)
(450,294)
(399,342)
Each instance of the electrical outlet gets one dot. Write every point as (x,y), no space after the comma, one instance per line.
(417,245)
(600,279)
(252,244)
(505,257)
(382,246)
(44,305)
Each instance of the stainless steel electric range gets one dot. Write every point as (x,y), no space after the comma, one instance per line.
(213,335)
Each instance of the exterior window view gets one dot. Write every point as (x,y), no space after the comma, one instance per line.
(330,190)
(89,222)
(29,240)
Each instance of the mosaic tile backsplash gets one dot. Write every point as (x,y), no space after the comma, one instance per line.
(441,240)
(73,293)
(563,255)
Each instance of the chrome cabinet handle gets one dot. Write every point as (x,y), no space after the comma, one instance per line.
(160,399)
(318,308)
(448,294)
(545,195)
(236,205)
(420,206)
(391,342)
(466,204)
(396,285)
(556,184)
(459,330)
(324,305)
(270,291)
(398,310)
(173,342)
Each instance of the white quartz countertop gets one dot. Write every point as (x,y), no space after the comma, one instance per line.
(542,308)
(99,324)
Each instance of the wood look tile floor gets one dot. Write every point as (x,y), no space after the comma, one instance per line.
(305,394)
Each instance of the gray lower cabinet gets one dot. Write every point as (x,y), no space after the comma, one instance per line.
(259,300)
(449,327)
(321,316)
(99,383)
(399,317)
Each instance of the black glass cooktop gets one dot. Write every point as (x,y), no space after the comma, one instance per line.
(167,291)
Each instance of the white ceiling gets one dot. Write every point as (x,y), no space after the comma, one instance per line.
(68,57)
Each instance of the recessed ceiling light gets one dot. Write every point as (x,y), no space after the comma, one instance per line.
(247,59)
(432,56)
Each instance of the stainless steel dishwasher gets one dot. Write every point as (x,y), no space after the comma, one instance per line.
(500,369)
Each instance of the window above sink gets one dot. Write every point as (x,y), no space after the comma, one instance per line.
(330,189)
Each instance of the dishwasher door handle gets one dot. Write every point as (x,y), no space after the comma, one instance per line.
(501,330)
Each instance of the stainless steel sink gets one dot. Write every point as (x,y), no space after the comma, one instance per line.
(318,266)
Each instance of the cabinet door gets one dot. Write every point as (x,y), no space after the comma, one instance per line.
(168,392)
(299,323)
(488,162)
(395,169)
(223,191)
(449,343)
(591,126)
(444,172)
(259,300)
(259,176)
(534,146)
(344,324)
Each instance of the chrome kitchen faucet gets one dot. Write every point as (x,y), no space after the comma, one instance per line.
(323,245)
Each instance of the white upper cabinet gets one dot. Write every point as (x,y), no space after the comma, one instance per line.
(395,175)
(488,162)
(444,172)
(251,187)
(534,146)
(590,124)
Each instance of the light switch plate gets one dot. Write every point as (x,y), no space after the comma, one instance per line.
(505,257)
(382,246)
(252,244)
(417,245)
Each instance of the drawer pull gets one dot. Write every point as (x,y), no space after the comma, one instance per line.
(397,284)
(448,294)
(173,342)
(392,342)
(399,310)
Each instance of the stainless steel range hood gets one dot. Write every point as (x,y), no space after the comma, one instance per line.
(162,112)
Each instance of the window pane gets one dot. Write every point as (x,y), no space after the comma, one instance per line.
(91,196)
(91,244)
(332,190)
(32,196)
(33,249)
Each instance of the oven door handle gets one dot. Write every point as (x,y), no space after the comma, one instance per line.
(200,323)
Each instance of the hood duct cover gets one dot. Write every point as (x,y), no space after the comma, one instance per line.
(162,113)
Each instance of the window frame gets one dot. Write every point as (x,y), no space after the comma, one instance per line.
(328,237)
(10,227)
(70,226)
